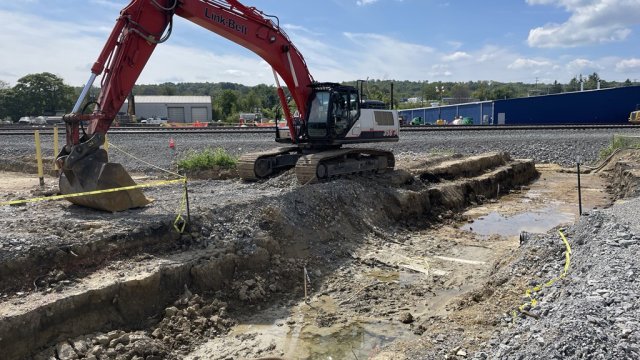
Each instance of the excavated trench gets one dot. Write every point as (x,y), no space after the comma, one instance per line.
(107,286)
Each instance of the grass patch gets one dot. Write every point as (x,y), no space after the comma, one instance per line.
(620,142)
(207,159)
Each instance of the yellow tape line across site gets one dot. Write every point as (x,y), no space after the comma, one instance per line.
(567,262)
(95,192)
(179,218)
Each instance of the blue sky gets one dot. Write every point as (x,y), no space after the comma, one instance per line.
(420,40)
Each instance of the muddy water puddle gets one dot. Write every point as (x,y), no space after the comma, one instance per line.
(306,331)
(550,201)
(536,221)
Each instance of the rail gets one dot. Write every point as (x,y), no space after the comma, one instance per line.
(48,129)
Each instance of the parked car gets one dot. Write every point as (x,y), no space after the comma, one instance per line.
(39,120)
(154,121)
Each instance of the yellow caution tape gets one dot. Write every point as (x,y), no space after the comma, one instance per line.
(532,301)
(179,223)
(95,192)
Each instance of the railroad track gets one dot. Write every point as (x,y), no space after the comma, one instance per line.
(48,130)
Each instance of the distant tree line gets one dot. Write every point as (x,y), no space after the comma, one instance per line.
(34,95)
(46,94)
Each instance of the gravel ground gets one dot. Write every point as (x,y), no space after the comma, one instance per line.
(592,313)
(544,146)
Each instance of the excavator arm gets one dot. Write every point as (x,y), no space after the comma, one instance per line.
(141,26)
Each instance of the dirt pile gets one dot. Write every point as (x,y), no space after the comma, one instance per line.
(27,165)
(188,320)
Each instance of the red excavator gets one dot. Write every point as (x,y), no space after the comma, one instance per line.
(331,115)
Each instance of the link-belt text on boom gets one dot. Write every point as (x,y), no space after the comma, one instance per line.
(224,21)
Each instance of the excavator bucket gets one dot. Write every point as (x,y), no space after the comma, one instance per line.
(95,173)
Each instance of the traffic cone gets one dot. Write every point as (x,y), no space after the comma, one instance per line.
(172,143)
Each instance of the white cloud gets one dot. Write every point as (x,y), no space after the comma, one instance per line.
(628,65)
(365,2)
(293,27)
(578,65)
(376,55)
(591,22)
(456,56)
(68,50)
(522,63)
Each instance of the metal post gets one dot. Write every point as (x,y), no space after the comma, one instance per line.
(493,111)
(39,158)
(186,194)
(304,274)
(55,147)
(579,191)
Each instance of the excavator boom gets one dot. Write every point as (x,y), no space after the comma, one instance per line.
(330,114)
(140,27)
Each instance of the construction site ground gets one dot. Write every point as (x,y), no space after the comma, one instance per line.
(409,264)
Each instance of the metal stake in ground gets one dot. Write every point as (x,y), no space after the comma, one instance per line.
(186,198)
(55,149)
(579,188)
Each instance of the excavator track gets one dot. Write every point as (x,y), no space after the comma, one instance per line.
(325,165)
(260,165)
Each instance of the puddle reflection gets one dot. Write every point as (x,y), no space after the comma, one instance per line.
(538,221)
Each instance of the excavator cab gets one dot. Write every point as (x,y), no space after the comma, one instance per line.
(332,110)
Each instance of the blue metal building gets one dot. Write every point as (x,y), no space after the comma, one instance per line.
(605,106)
(474,110)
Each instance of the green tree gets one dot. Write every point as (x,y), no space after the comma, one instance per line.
(504,91)
(227,103)
(167,89)
(556,88)
(250,102)
(592,82)
(482,91)
(460,92)
(573,85)
(42,93)
(628,83)
(268,95)
(429,92)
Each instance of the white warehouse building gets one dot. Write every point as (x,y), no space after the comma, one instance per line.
(185,109)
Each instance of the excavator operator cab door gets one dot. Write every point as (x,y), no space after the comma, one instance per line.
(332,113)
